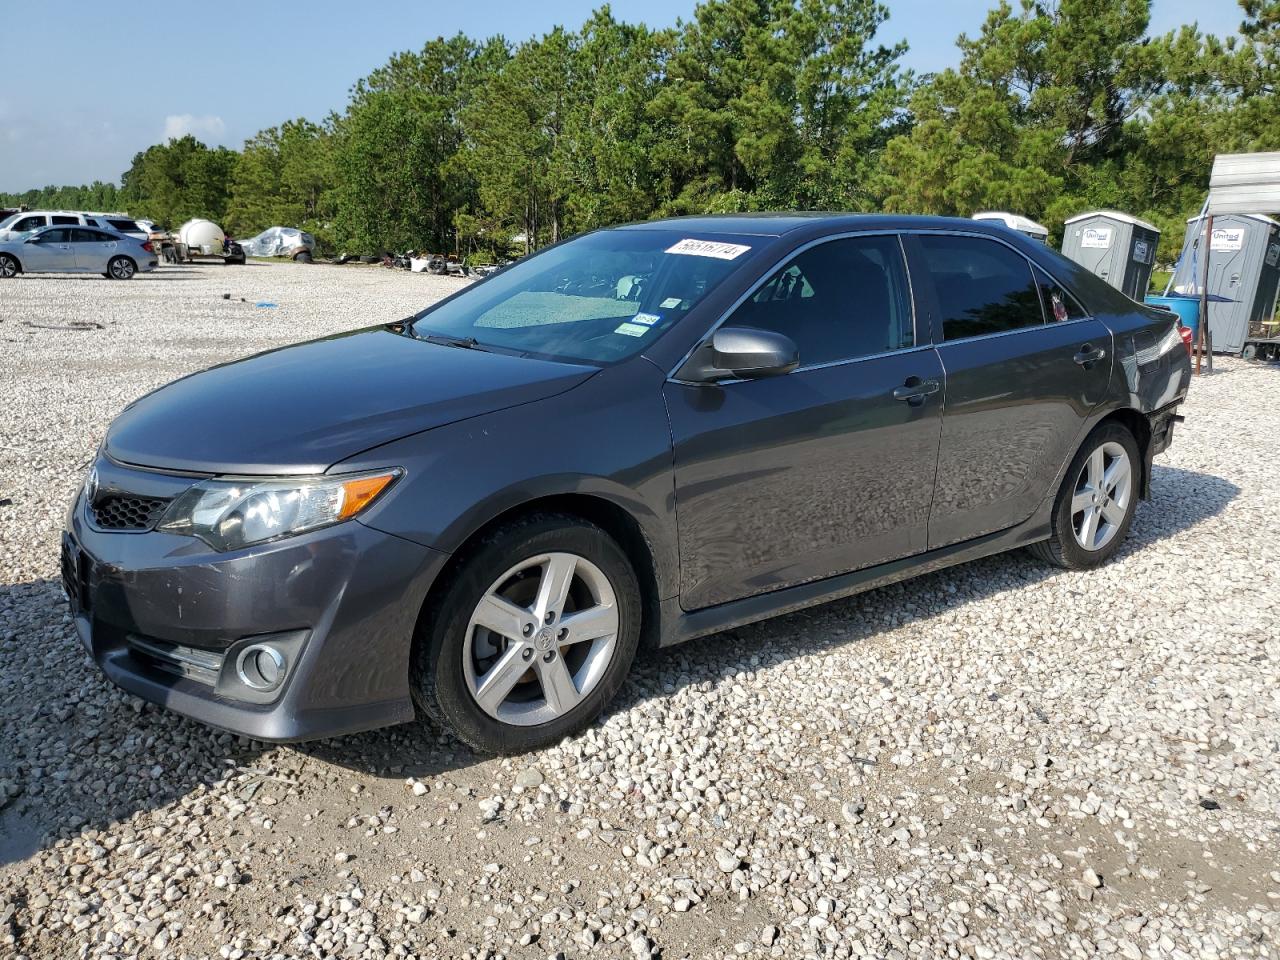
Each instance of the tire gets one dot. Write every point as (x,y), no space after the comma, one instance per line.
(9,267)
(1071,544)
(456,658)
(302,257)
(121,268)
(1250,352)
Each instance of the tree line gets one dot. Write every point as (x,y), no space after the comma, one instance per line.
(484,147)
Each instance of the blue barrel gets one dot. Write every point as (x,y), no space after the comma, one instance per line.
(1185,306)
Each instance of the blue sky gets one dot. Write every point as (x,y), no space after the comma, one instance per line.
(237,66)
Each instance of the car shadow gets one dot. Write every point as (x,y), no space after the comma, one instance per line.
(155,757)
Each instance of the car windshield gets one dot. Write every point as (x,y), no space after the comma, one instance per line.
(599,298)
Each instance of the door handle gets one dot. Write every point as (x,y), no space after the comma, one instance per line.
(1089,355)
(915,390)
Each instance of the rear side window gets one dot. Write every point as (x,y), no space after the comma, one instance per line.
(88,236)
(1058,304)
(982,286)
(839,300)
(62,219)
(124,226)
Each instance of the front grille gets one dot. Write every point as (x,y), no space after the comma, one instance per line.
(126,512)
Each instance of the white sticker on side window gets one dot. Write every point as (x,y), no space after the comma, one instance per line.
(631,329)
(708,248)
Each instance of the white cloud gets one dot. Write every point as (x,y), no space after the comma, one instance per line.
(204,127)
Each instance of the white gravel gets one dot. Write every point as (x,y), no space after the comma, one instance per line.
(1000,760)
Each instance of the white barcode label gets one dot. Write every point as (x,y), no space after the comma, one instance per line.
(708,248)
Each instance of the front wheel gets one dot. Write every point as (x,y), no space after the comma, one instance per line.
(8,267)
(1097,500)
(121,268)
(532,636)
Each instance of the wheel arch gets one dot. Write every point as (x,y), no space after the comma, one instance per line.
(620,523)
(1137,424)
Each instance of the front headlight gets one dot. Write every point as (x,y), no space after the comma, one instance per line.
(229,514)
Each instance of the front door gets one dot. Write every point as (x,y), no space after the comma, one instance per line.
(49,252)
(827,469)
(1025,367)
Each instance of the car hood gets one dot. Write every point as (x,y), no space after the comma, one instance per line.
(301,409)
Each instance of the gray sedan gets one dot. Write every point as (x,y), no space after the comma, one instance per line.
(76,250)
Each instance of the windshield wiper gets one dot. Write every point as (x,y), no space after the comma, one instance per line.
(466,343)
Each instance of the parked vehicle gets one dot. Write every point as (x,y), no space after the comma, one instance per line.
(482,511)
(76,250)
(290,242)
(27,221)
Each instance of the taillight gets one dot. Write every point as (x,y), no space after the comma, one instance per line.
(146,245)
(1186,338)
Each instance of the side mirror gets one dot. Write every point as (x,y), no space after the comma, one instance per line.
(32,240)
(743,353)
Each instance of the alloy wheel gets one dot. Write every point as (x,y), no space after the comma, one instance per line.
(8,267)
(121,268)
(1102,494)
(541,639)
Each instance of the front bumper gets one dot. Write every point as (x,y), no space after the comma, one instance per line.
(165,616)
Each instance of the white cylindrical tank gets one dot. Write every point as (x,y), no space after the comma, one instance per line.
(203,236)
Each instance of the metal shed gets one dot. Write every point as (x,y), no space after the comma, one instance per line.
(1016,222)
(1244,268)
(1115,246)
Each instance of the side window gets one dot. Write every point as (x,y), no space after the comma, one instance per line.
(86,236)
(1058,304)
(839,300)
(28,223)
(65,220)
(983,287)
(90,221)
(124,226)
(54,236)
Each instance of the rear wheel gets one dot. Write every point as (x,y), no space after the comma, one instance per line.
(9,267)
(1095,505)
(1250,352)
(303,256)
(121,268)
(532,636)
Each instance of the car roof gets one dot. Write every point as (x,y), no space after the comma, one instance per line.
(781,223)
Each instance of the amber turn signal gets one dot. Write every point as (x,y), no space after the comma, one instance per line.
(358,494)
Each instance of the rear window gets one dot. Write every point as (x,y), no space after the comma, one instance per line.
(982,286)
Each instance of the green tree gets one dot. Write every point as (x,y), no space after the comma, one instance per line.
(284,178)
(397,180)
(179,180)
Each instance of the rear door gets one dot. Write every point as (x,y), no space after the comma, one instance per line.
(1025,365)
(793,478)
(93,248)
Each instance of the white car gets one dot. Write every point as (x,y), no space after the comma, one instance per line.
(28,220)
(66,249)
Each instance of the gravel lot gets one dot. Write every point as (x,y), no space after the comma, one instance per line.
(1000,760)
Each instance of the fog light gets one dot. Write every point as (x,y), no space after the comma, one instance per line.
(260,667)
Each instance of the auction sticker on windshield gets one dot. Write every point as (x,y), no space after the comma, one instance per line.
(708,248)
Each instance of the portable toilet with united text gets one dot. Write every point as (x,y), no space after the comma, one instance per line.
(1114,246)
(1244,270)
